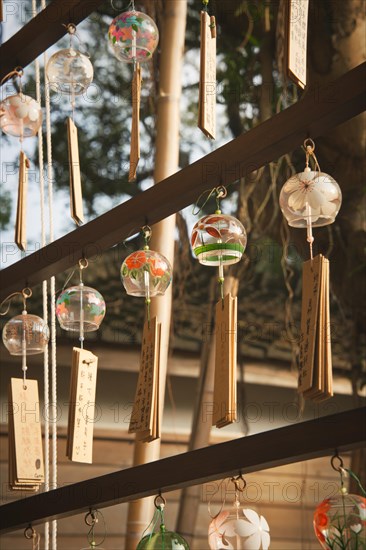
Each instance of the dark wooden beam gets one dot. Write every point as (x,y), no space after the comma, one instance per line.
(317,113)
(42,31)
(294,443)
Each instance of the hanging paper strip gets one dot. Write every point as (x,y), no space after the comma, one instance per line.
(145,413)
(224,405)
(76,199)
(207,90)
(79,447)
(135,128)
(315,360)
(21,217)
(26,467)
(297,41)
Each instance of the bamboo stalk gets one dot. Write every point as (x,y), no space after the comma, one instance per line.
(166,164)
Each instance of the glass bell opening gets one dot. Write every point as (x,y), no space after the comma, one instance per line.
(146,273)
(21,116)
(30,328)
(218,239)
(80,306)
(69,72)
(133,36)
(310,197)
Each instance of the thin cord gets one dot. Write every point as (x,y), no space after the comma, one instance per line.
(46,370)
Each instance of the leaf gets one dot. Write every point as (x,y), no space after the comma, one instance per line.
(135,27)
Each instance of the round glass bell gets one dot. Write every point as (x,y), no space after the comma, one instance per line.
(340,522)
(218,239)
(20,116)
(133,36)
(165,540)
(80,306)
(239,529)
(310,197)
(146,273)
(69,72)
(28,330)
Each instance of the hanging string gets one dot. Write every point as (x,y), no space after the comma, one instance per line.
(92,519)
(337,465)
(309,147)
(31,534)
(83,264)
(146,233)
(46,370)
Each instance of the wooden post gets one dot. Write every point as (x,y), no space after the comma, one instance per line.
(166,163)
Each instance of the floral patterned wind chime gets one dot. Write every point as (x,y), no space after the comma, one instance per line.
(24,335)
(21,117)
(238,528)
(134,36)
(147,273)
(340,520)
(81,309)
(311,199)
(219,240)
(70,72)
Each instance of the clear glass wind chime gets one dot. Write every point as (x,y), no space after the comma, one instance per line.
(20,117)
(134,37)
(70,72)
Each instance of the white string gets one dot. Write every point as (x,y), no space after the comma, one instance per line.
(52,297)
(46,390)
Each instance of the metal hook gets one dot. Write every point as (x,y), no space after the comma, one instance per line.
(91,518)
(239,483)
(29,532)
(83,263)
(338,468)
(162,502)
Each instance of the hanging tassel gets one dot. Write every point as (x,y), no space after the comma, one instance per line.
(76,198)
(135,130)
(21,217)
(207,89)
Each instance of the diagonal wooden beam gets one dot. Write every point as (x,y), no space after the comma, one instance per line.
(294,443)
(317,113)
(42,31)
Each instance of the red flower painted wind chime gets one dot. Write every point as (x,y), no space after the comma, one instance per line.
(21,117)
(311,199)
(70,72)
(147,273)
(219,240)
(134,36)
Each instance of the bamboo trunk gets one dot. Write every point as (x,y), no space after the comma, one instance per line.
(201,426)
(166,163)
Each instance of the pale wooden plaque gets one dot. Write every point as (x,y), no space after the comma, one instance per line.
(297,41)
(208,88)
(21,216)
(76,199)
(135,125)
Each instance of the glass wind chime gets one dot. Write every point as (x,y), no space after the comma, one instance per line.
(340,520)
(219,240)
(133,37)
(147,273)
(24,335)
(238,528)
(70,72)
(20,117)
(311,199)
(81,309)
(162,539)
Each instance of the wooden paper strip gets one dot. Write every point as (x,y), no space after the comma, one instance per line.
(224,402)
(207,88)
(26,467)
(82,406)
(21,216)
(297,41)
(76,199)
(145,413)
(135,126)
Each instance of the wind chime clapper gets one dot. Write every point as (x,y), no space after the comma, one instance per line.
(24,335)
(219,240)
(70,72)
(21,117)
(146,273)
(92,520)
(311,199)
(161,539)
(81,309)
(340,520)
(237,527)
(207,84)
(134,37)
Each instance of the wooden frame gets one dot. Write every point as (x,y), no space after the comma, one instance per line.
(319,111)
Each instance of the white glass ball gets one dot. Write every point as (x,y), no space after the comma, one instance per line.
(133,36)
(20,116)
(80,305)
(28,328)
(69,72)
(310,196)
